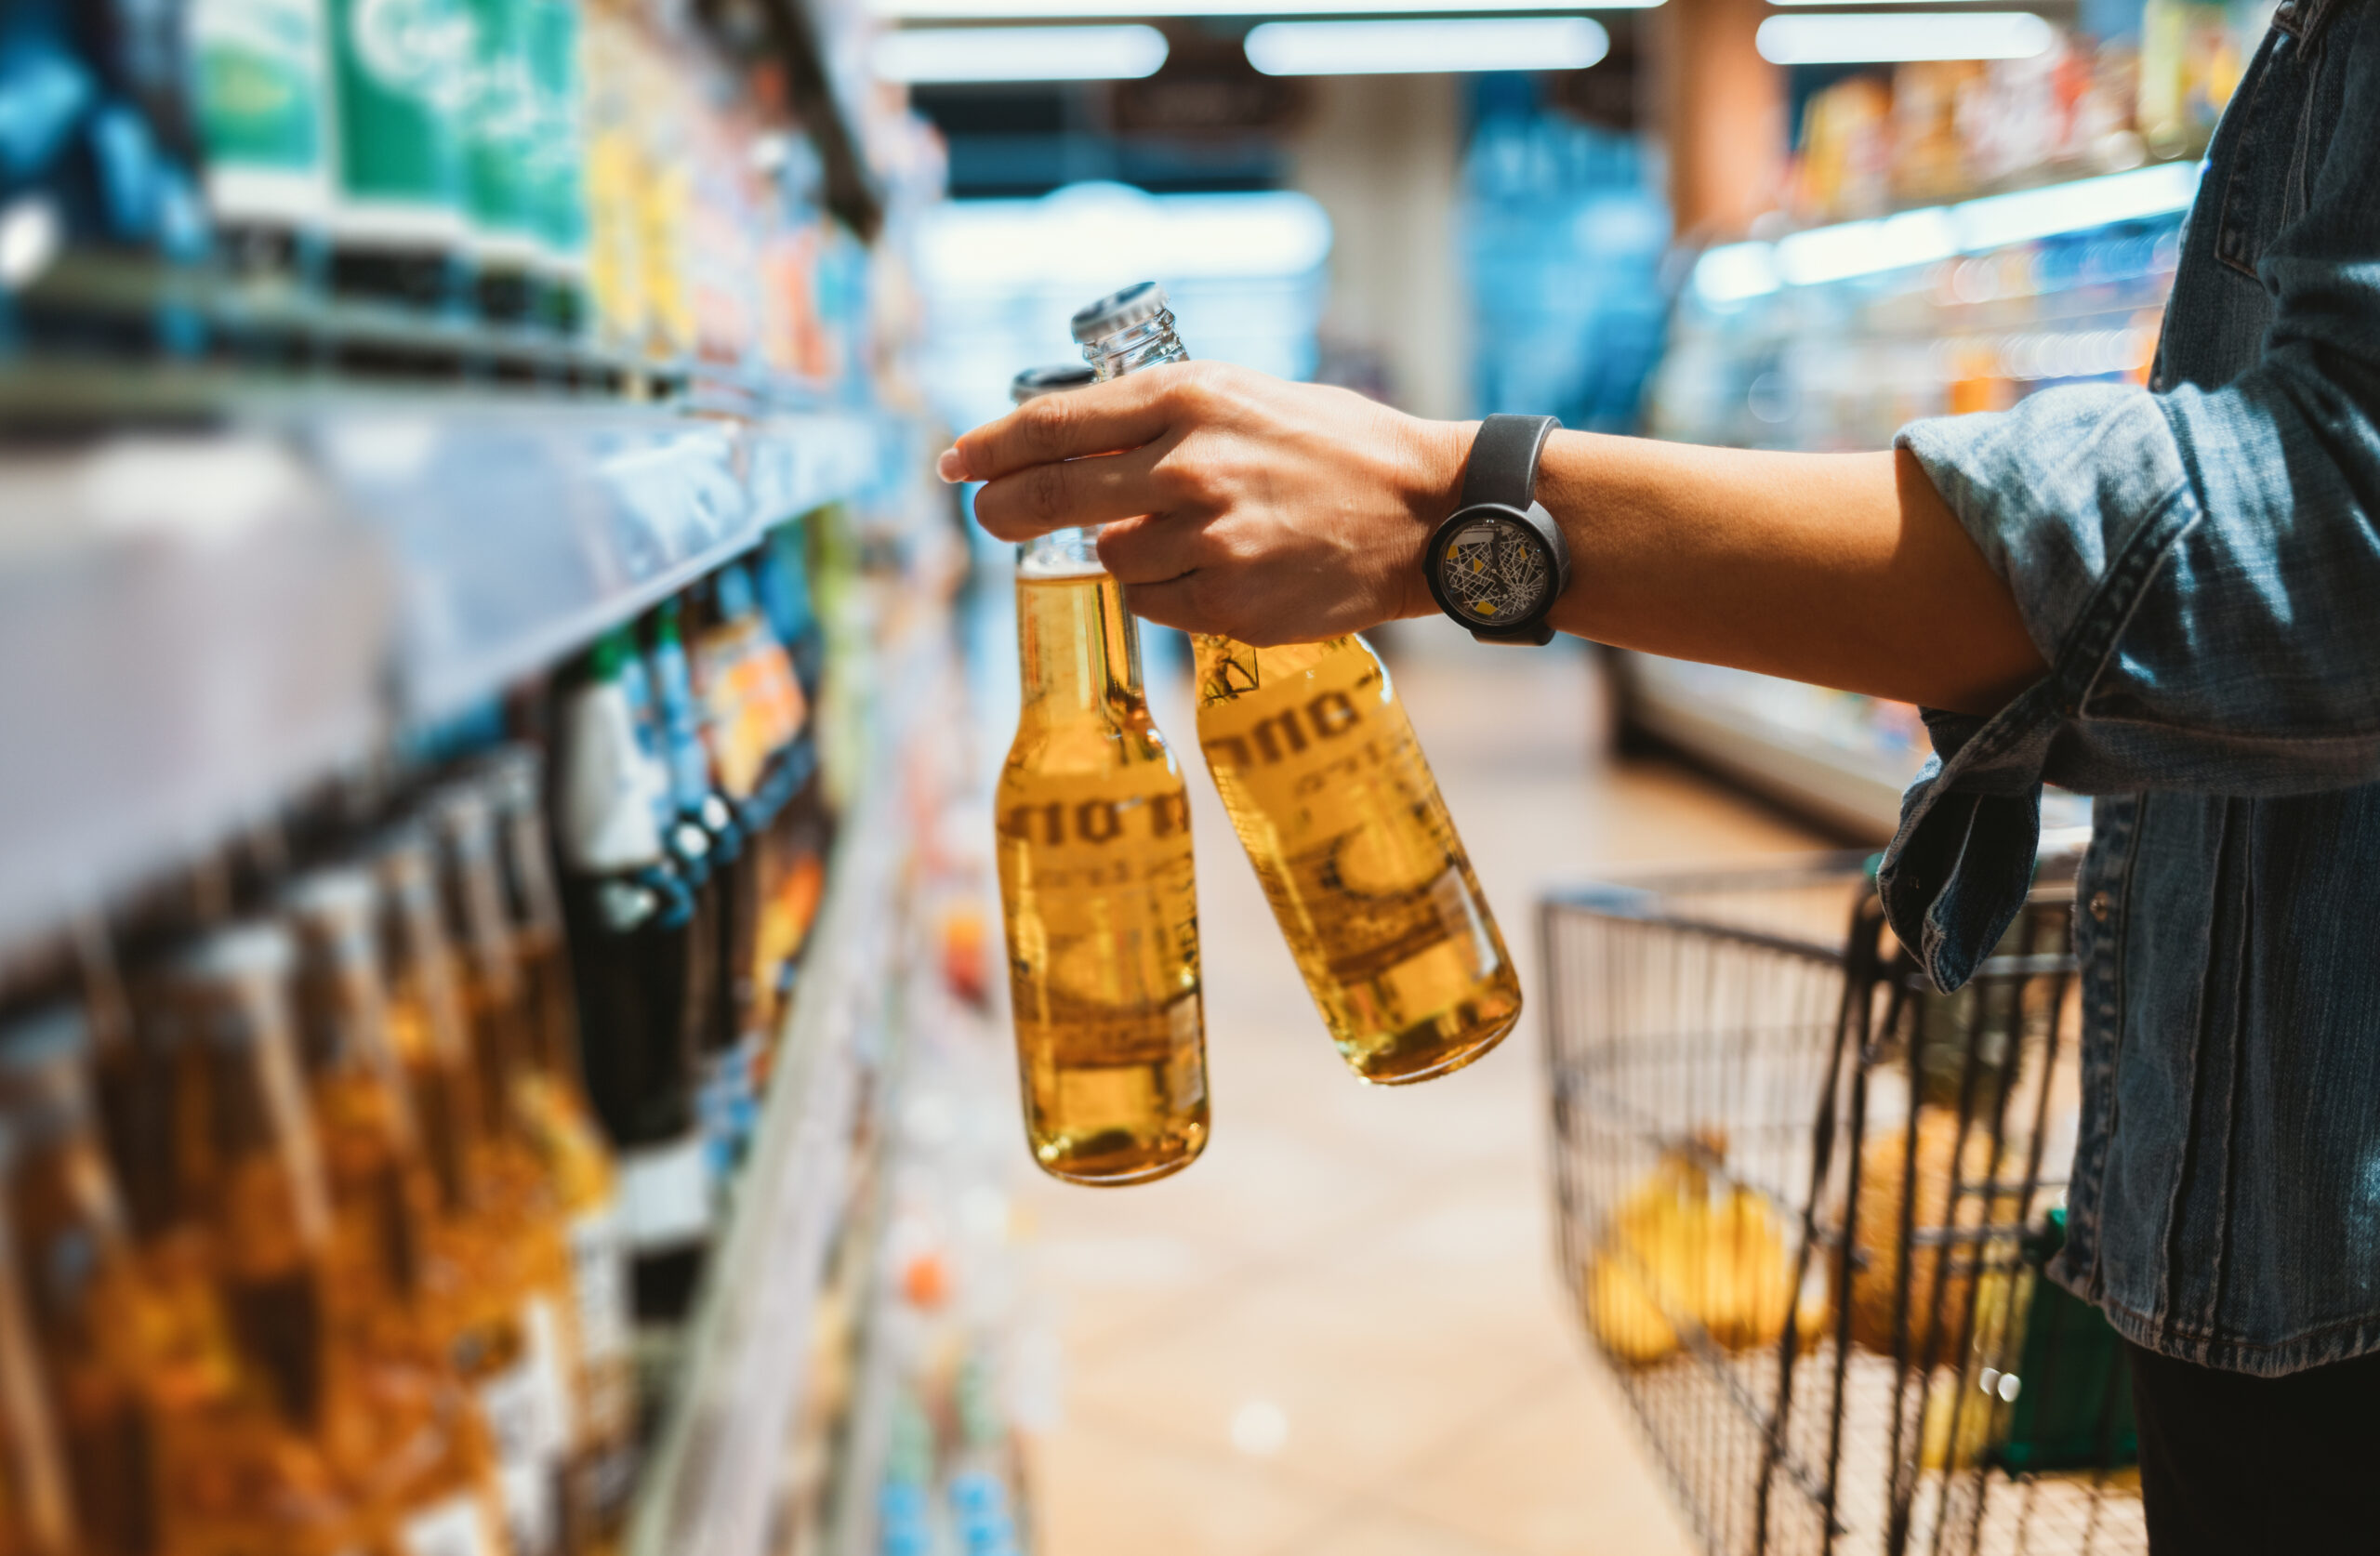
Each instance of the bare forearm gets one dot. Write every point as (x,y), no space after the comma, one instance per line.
(1277,512)
(1846,570)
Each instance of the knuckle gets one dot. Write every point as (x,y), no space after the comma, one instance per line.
(1043,424)
(1045,493)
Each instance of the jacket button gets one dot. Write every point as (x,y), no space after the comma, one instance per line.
(2099,907)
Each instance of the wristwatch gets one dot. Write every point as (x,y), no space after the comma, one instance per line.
(1498,562)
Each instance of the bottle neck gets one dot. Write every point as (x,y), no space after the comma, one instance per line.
(1078,653)
(1149,343)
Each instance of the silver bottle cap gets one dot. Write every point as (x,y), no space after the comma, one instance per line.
(1136,304)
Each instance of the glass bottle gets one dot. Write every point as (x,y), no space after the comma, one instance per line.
(122,1354)
(1329,790)
(316,1356)
(1098,890)
(36,1513)
(520,1179)
(497,1286)
(640,944)
(551,1095)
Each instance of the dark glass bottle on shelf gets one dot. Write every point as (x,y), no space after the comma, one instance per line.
(638,963)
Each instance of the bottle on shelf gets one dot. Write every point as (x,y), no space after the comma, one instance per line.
(500,1290)
(1327,788)
(261,97)
(126,1362)
(754,712)
(390,1457)
(523,1180)
(551,1095)
(639,966)
(1097,884)
(36,1515)
(793,863)
(382,1204)
(58,1395)
(399,224)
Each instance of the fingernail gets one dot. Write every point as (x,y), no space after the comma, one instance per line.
(950,466)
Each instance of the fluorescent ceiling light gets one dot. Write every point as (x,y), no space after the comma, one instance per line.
(1568,43)
(1740,272)
(1019,54)
(1862,39)
(1089,238)
(991,10)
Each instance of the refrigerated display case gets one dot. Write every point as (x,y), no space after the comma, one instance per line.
(1832,338)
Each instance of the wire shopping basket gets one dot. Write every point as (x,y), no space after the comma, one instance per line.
(1805,1200)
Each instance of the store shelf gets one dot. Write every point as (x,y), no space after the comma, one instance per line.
(710,1487)
(1855,790)
(193,623)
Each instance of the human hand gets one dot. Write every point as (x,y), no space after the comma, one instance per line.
(1235,503)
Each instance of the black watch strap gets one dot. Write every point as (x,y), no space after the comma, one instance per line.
(1503,461)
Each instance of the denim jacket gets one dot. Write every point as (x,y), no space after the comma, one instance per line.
(2198,563)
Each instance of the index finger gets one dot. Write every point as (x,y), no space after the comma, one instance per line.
(1100,418)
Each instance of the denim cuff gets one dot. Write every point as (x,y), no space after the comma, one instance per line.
(1962,863)
(2067,496)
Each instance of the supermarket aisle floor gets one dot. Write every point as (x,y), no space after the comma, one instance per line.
(1341,1333)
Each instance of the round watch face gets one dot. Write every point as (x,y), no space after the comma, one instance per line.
(1496,571)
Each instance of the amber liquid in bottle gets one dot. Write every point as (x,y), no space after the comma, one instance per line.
(1330,795)
(1098,894)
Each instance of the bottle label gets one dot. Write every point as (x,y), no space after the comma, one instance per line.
(665,1195)
(403,72)
(1100,893)
(261,101)
(501,121)
(527,1409)
(1329,792)
(454,1527)
(606,1325)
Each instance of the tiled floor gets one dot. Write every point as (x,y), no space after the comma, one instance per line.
(1341,1333)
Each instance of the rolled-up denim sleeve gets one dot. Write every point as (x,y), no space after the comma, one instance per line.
(2199,569)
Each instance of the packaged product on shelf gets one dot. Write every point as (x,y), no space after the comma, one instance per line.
(100,165)
(1331,797)
(264,111)
(614,172)
(641,962)
(501,130)
(254,1217)
(126,1363)
(382,1200)
(504,1292)
(36,1512)
(402,80)
(793,863)
(558,163)
(2191,61)
(494,829)
(1098,885)
(553,1099)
